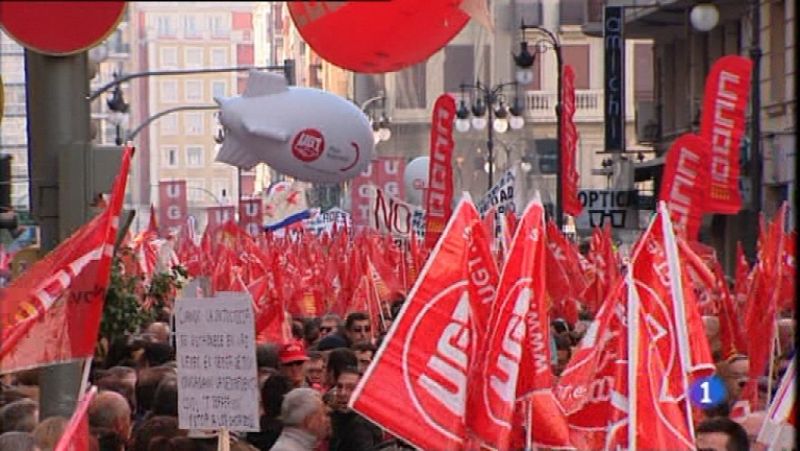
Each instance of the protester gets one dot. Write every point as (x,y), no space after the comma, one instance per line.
(272,394)
(349,430)
(305,421)
(17,441)
(330,342)
(338,359)
(311,332)
(152,428)
(21,416)
(293,358)
(110,410)
(115,384)
(734,372)
(357,328)
(108,439)
(146,386)
(48,432)
(315,370)
(330,324)
(364,352)
(165,399)
(158,332)
(267,361)
(563,353)
(721,434)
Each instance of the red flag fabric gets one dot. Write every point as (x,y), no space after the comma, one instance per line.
(152,224)
(569,146)
(722,124)
(172,206)
(51,313)
(416,386)
(76,432)
(685,184)
(439,196)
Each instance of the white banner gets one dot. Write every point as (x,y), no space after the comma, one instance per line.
(506,194)
(323,222)
(216,358)
(388,214)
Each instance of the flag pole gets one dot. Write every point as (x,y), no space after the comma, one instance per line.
(633,354)
(772,349)
(529,423)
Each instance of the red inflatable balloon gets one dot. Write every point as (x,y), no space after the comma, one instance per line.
(377,37)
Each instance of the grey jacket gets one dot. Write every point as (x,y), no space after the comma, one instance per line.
(294,439)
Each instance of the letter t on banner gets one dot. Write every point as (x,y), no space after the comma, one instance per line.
(439,197)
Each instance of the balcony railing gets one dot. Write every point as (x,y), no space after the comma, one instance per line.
(540,106)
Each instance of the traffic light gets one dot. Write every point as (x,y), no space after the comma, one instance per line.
(8,219)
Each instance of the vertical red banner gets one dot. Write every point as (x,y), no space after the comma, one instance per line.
(172,207)
(684,187)
(251,215)
(219,215)
(722,124)
(569,146)
(387,174)
(439,197)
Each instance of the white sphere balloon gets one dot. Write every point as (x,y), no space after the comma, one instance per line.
(415,179)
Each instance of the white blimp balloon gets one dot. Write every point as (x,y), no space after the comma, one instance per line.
(306,133)
(415,179)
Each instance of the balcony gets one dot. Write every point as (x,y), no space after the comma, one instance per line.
(540,106)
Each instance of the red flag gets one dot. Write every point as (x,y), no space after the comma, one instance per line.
(416,385)
(722,125)
(569,146)
(685,184)
(51,313)
(152,224)
(439,195)
(76,432)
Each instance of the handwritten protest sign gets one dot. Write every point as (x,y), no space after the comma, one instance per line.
(217,377)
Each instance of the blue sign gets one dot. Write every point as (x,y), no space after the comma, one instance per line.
(708,392)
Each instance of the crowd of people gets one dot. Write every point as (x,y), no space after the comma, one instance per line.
(305,385)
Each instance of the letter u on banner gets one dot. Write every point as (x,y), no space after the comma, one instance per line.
(722,124)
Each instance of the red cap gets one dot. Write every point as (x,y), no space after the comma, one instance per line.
(293,351)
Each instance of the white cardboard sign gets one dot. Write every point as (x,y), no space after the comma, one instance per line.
(217,373)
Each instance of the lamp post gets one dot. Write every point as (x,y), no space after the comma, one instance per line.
(118,111)
(524,60)
(490,101)
(380,124)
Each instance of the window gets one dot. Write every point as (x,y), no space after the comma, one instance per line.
(169,57)
(577,56)
(14,131)
(411,87)
(13,69)
(193,58)
(170,156)
(194,156)
(459,67)
(777,51)
(571,12)
(221,188)
(643,71)
(14,100)
(219,25)
(190,28)
(193,90)
(193,123)
(219,57)
(168,91)
(169,124)
(165,26)
(219,88)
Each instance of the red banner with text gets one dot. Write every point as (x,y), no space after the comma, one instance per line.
(569,146)
(251,215)
(722,124)
(172,207)
(439,197)
(219,215)
(387,174)
(685,184)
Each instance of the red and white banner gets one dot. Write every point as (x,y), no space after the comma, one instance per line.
(172,206)
(385,173)
(723,124)
(416,387)
(685,184)
(76,432)
(439,197)
(251,215)
(219,215)
(389,214)
(569,146)
(51,313)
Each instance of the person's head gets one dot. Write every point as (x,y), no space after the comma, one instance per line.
(394,309)
(158,332)
(124,373)
(157,426)
(108,439)
(113,383)
(357,327)
(267,360)
(47,433)
(364,352)
(165,399)
(157,353)
(146,385)
(297,329)
(20,416)
(721,434)
(563,353)
(734,373)
(711,327)
(272,393)
(303,408)
(345,385)
(311,331)
(315,368)
(293,358)
(110,410)
(331,341)
(17,441)
(338,359)
(330,324)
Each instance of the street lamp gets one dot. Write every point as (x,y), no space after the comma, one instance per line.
(489,111)
(118,111)
(380,122)
(524,61)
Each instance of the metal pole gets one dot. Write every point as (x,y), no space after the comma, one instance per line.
(59,137)
(489,101)
(161,114)
(559,162)
(755,114)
